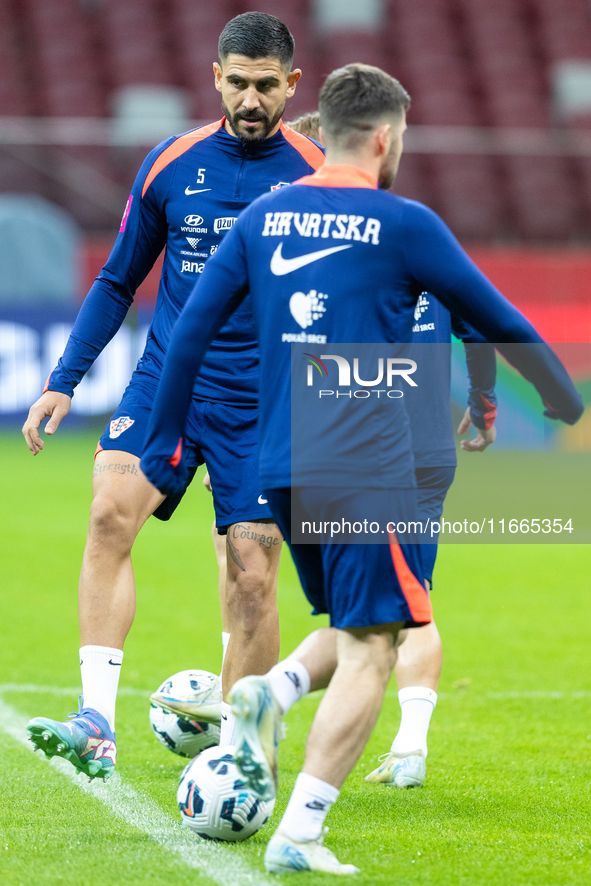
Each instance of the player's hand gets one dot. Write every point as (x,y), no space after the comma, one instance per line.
(207,482)
(52,404)
(163,476)
(481,441)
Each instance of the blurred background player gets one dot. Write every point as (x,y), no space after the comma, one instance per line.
(370,591)
(194,184)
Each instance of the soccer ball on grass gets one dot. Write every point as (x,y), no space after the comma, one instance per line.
(187,738)
(215,803)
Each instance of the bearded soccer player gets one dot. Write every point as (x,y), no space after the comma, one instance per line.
(188,193)
(366,255)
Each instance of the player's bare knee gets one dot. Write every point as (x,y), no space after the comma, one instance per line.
(111,524)
(250,600)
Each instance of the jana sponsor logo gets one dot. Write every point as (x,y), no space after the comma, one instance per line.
(193,267)
(224,224)
(118,425)
(194,220)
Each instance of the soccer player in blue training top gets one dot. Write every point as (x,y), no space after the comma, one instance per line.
(188,193)
(418,665)
(361,256)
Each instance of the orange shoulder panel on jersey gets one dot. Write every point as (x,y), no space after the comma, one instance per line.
(304,146)
(177,148)
(414,592)
(336,176)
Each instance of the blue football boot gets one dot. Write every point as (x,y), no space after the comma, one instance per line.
(86,740)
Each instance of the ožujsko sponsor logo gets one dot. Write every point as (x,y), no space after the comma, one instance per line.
(280,185)
(118,425)
(395,368)
(224,224)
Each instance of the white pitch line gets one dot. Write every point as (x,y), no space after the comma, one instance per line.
(139,811)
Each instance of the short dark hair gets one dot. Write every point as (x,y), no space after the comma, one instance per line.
(355,98)
(257,35)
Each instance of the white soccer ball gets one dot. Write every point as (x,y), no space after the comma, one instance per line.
(193,695)
(187,738)
(215,803)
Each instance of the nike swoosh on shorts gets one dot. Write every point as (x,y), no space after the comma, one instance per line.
(262,501)
(188,190)
(281,266)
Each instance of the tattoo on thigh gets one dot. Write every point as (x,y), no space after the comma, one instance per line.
(234,554)
(266,539)
(116,468)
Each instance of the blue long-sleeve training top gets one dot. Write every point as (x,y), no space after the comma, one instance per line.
(186,197)
(335,259)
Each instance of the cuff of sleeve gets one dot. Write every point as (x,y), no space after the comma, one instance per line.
(483,418)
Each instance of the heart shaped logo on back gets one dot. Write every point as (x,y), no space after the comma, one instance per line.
(300,306)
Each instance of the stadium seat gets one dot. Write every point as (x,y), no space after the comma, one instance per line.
(413,179)
(468,195)
(136,48)
(543,196)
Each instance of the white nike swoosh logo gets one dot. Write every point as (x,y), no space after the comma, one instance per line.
(199,191)
(281,266)
(262,501)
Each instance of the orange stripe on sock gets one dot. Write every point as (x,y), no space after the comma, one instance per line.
(179,147)
(304,146)
(414,592)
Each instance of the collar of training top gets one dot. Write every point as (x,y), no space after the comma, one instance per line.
(333,175)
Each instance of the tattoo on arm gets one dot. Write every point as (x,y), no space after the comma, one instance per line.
(116,468)
(234,554)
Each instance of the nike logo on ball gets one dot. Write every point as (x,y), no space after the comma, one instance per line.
(188,191)
(262,501)
(281,266)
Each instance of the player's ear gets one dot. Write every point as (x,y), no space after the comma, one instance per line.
(383,139)
(292,79)
(217,73)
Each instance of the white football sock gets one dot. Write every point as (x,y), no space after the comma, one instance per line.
(228,726)
(225,641)
(289,681)
(100,667)
(308,807)
(417,703)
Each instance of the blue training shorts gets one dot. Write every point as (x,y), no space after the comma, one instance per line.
(432,486)
(220,436)
(359,585)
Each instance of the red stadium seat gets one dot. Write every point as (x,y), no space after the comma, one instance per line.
(468,195)
(543,196)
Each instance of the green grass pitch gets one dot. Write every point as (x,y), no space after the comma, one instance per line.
(507,796)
